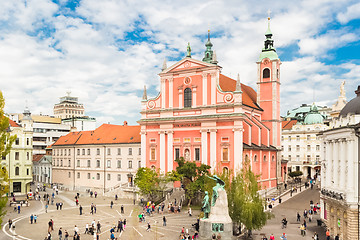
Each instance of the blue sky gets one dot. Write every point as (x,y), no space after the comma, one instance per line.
(104,52)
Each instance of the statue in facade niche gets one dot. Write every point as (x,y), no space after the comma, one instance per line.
(342,89)
(219,184)
(206,205)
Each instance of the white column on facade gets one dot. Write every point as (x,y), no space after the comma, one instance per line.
(269,168)
(213,149)
(350,166)
(327,164)
(194,97)
(336,163)
(163,93)
(171,91)
(204,88)
(143,149)
(204,146)
(238,149)
(213,88)
(180,98)
(342,166)
(162,151)
(170,158)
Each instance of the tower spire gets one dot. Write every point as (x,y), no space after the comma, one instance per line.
(144,94)
(164,66)
(238,84)
(268,50)
(208,52)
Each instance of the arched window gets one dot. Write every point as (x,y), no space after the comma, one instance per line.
(17,171)
(273,158)
(225,171)
(187,98)
(264,158)
(255,158)
(266,73)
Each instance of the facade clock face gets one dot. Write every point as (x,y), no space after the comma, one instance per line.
(187,64)
(187,81)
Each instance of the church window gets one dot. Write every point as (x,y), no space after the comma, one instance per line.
(177,153)
(225,154)
(187,98)
(273,158)
(264,158)
(152,154)
(225,171)
(266,73)
(197,154)
(255,158)
(17,171)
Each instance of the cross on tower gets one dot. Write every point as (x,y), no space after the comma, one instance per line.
(269,12)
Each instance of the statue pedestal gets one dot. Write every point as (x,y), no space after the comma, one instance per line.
(219,220)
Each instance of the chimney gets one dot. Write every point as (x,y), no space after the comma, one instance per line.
(125,123)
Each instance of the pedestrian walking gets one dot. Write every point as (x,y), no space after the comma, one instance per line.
(302,230)
(148,227)
(164,221)
(316,236)
(60,233)
(272,237)
(124,223)
(111,204)
(122,209)
(35,218)
(298,217)
(328,234)
(10,223)
(98,226)
(190,213)
(81,209)
(95,194)
(76,230)
(66,235)
(337,237)
(31,219)
(18,208)
(46,207)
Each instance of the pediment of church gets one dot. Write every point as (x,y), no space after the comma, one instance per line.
(188,63)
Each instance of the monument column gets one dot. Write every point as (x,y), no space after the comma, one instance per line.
(162,151)
(170,157)
(204,146)
(213,149)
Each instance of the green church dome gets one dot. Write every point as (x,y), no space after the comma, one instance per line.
(313,117)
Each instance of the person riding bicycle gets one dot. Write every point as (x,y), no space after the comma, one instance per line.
(284,222)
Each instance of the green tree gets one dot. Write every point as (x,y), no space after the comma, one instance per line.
(6,141)
(246,206)
(147,180)
(193,177)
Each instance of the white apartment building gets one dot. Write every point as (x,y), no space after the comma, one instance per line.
(340,179)
(46,129)
(300,143)
(99,160)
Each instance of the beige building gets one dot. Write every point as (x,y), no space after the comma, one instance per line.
(19,161)
(68,107)
(99,160)
(300,143)
(340,178)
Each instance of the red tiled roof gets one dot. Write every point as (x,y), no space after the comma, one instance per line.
(287,125)
(248,94)
(105,134)
(37,157)
(13,124)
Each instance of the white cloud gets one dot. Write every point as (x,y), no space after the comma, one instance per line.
(352,12)
(89,52)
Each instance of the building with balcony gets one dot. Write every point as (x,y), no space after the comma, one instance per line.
(99,160)
(340,179)
(300,143)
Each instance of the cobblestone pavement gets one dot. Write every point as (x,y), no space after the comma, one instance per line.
(69,216)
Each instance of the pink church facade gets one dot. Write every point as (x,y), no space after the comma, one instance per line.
(207,117)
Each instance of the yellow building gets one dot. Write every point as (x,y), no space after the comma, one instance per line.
(19,161)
